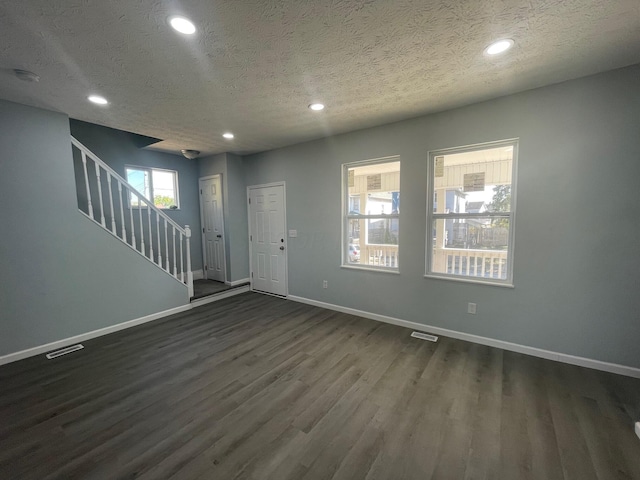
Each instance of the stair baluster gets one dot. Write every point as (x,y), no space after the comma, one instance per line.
(166,245)
(150,236)
(100,195)
(181,261)
(133,230)
(175,265)
(86,183)
(158,239)
(123,229)
(113,216)
(141,227)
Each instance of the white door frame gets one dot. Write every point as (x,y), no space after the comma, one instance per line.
(202,235)
(285,234)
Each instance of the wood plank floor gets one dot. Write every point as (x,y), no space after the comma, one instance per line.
(255,387)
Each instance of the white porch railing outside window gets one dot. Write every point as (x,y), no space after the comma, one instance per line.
(471,263)
(379,255)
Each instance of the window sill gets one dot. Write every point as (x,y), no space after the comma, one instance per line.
(371,269)
(470,280)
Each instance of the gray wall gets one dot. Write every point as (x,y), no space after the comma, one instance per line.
(234,209)
(118,148)
(237,223)
(576,257)
(61,275)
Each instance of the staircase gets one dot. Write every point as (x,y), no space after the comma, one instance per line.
(107,199)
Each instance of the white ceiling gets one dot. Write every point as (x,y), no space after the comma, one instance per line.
(254,66)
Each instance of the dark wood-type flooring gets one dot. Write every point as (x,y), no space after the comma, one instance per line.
(255,387)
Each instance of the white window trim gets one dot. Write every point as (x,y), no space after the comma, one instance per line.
(346,217)
(176,185)
(431,216)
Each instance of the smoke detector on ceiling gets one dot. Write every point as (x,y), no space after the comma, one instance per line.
(26,75)
(190,154)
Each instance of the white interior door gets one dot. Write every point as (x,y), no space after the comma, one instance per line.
(212,221)
(268,240)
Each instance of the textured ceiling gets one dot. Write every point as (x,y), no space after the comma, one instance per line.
(254,66)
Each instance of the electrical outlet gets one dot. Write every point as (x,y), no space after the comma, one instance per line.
(471,308)
(325,284)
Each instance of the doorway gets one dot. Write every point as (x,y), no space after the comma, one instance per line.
(267,239)
(212,221)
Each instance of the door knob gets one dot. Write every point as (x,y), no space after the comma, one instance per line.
(219,236)
(281,248)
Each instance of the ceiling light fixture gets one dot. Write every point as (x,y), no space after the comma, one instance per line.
(97,99)
(316,107)
(182,25)
(498,47)
(228,135)
(190,154)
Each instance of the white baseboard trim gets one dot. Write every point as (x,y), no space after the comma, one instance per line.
(198,274)
(30,352)
(238,282)
(513,347)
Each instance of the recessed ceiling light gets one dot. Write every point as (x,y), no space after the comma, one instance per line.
(316,106)
(97,99)
(228,135)
(499,46)
(182,25)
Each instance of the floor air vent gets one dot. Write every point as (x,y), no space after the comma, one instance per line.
(425,336)
(64,351)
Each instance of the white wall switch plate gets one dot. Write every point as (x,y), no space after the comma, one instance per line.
(471,308)
(293,233)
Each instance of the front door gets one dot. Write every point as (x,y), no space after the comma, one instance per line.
(212,222)
(267,239)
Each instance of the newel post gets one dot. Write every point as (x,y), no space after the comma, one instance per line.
(187,235)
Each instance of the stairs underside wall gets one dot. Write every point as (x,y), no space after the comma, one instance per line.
(61,274)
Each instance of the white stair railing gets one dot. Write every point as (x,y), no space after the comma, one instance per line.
(111,211)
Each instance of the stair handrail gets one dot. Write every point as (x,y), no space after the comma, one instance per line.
(121,179)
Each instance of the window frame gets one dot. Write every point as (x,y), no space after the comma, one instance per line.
(511,215)
(346,217)
(150,170)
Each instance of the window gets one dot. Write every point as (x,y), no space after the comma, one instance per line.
(471,208)
(371,214)
(154,183)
